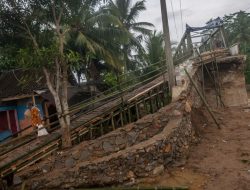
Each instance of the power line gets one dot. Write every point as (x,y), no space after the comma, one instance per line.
(181,16)
(247,9)
(174,20)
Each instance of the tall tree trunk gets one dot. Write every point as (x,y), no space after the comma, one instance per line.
(60,96)
(57,82)
(65,107)
(63,85)
(94,75)
(126,59)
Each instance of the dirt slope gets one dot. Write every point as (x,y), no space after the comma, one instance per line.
(220,160)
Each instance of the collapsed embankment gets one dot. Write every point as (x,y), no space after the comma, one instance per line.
(140,149)
(144,148)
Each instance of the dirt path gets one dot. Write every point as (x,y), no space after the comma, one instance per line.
(221,160)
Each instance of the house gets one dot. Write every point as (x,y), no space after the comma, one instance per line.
(16,91)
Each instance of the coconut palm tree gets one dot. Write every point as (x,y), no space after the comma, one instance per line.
(154,57)
(97,36)
(128,13)
(154,48)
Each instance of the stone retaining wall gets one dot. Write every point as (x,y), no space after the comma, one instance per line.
(138,150)
(144,159)
(121,138)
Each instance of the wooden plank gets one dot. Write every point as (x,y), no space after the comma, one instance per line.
(145,91)
(8,119)
(93,116)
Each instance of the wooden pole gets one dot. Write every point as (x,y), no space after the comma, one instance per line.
(168,52)
(33,99)
(151,102)
(46,110)
(101,125)
(121,117)
(129,114)
(8,120)
(112,121)
(223,36)
(137,111)
(158,99)
(91,132)
(145,105)
(203,99)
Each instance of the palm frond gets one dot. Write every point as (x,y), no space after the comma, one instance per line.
(82,40)
(143,31)
(142,24)
(135,10)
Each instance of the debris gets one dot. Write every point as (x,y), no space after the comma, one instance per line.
(130,174)
(70,162)
(17,180)
(45,171)
(167,148)
(204,125)
(176,113)
(188,108)
(60,153)
(246,110)
(158,170)
(76,155)
(203,99)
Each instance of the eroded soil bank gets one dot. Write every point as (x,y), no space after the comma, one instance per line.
(178,146)
(221,158)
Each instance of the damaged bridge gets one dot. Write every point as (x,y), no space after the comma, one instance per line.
(134,131)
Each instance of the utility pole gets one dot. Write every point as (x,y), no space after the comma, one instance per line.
(168,52)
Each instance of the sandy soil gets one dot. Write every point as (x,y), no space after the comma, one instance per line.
(220,160)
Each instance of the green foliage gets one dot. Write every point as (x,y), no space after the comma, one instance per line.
(110,79)
(154,48)
(128,12)
(237,27)
(7,59)
(95,31)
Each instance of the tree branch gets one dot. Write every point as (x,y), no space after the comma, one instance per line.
(31,36)
(48,82)
(57,76)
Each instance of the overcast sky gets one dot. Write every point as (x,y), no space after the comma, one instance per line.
(195,12)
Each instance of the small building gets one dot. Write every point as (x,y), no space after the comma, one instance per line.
(15,94)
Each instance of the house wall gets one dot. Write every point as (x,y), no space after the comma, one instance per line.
(8,126)
(3,118)
(17,110)
(3,121)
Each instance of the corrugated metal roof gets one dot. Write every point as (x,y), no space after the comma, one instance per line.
(17,83)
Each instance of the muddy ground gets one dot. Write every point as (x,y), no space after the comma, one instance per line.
(220,160)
